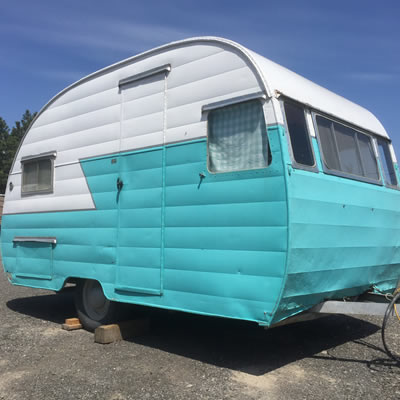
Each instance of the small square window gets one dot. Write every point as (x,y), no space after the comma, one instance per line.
(37,174)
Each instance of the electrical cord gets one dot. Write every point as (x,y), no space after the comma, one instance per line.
(385,320)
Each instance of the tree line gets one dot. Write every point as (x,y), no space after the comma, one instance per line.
(9,142)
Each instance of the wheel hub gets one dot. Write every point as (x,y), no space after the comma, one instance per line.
(94,301)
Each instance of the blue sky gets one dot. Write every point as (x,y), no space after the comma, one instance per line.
(349,47)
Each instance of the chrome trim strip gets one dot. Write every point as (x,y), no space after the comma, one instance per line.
(46,211)
(34,276)
(276,125)
(138,290)
(48,154)
(234,100)
(163,68)
(39,239)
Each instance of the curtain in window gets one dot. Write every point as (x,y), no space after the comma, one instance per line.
(237,138)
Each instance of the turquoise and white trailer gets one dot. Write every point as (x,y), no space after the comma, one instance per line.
(202,177)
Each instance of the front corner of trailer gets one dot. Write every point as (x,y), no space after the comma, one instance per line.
(6,250)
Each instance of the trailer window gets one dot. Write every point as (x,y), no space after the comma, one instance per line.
(368,158)
(387,163)
(37,176)
(237,138)
(298,132)
(347,147)
(328,143)
(347,150)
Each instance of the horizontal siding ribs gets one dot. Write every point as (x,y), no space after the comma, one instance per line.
(110,97)
(133,68)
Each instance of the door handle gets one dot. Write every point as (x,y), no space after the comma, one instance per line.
(120,184)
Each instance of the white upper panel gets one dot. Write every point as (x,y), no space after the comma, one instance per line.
(142,112)
(80,120)
(97,116)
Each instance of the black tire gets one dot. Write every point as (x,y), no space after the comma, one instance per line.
(92,307)
(389,310)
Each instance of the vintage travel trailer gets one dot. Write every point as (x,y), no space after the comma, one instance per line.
(202,177)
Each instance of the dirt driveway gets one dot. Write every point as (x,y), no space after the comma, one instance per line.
(187,357)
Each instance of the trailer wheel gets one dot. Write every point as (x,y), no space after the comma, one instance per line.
(93,308)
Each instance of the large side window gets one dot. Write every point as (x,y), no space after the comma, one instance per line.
(387,163)
(347,150)
(298,132)
(237,138)
(346,139)
(37,174)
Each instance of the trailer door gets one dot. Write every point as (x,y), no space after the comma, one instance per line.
(140,184)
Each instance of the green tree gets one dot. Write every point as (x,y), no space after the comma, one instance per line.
(4,134)
(9,142)
(18,131)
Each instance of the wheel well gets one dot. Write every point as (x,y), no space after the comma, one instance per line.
(70,282)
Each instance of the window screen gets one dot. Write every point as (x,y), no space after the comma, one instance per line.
(37,176)
(298,132)
(387,163)
(347,150)
(237,138)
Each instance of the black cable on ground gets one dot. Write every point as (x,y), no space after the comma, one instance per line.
(389,310)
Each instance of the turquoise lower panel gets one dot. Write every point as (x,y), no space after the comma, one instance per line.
(218,245)
(215,246)
(344,239)
(140,222)
(34,260)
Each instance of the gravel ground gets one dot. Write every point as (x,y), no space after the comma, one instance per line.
(188,357)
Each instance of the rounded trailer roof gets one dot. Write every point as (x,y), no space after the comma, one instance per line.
(283,81)
(280,80)
(276,79)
